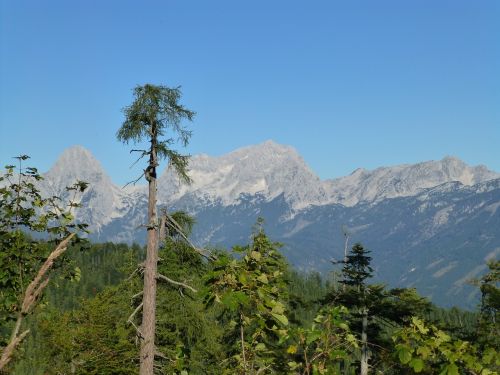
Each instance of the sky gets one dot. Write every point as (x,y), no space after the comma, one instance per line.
(348,84)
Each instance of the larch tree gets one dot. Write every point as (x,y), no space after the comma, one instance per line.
(154,112)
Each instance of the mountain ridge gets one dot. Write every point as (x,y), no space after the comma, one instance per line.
(272,169)
(408,215)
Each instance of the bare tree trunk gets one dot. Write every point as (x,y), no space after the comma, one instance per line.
(162,235)
(150,270)
(364,343)
(346,235)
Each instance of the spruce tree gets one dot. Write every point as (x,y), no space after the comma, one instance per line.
(356,270)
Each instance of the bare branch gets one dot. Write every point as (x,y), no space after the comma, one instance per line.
(37,285)
(161,277)
(137,295)
(171,221)
(143,153)
(33,291)
(138,269)
(135,181)
(9,349)
(130,320)
(160,354)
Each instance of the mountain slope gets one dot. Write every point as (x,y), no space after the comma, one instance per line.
(429,225)
(269,169)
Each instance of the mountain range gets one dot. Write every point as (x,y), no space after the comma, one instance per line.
(431,225)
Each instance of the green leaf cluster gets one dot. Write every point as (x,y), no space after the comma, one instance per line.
(252,291)
(426,349)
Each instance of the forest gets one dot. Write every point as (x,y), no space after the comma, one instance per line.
(69,306)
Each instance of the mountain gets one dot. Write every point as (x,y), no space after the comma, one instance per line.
(430,225)
(403,180)
(103,202)
(269,169)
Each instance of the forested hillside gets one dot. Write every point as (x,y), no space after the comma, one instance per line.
(82,325)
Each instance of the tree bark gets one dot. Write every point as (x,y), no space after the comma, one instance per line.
(148,326)
(364,343)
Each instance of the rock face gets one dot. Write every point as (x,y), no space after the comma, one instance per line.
(268,169)
(403,180)
(429,225)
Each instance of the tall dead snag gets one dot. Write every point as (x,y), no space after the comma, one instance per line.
(154,111)
(32,294)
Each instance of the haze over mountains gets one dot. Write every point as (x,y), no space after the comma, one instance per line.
(430,225)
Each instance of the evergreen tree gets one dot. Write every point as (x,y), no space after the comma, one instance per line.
(355,272)
(489,315)
(154,111)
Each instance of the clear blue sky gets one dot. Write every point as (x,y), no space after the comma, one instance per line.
(349,84)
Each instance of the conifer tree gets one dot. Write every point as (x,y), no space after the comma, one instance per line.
(154,111)
(356,270)
(488,324)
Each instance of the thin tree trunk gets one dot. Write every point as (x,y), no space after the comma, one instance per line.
(150,270)
(163,228)
(364,343)
(242,335)
(345,254)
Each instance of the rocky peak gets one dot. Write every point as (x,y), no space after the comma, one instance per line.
(268,168)
(77,163)
(403,180)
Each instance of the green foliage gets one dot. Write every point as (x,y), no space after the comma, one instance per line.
(155,110)
(429,350)
(489,316)
(306,291)
(325,346)
(253,293)
(461,324)
(357,269)
(96,266)
(187,334)
(25,212)
(96,338)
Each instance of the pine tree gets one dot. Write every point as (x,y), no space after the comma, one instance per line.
(154,111)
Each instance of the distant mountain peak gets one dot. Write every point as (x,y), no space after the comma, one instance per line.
(76,163)
(268,169)
(268,147)
(403,180)
(77,157)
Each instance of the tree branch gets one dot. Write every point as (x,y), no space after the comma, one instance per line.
(33,291)
(161,277)
(135,181)
(129,320)
(137,295)
(178,228)
(9,349)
